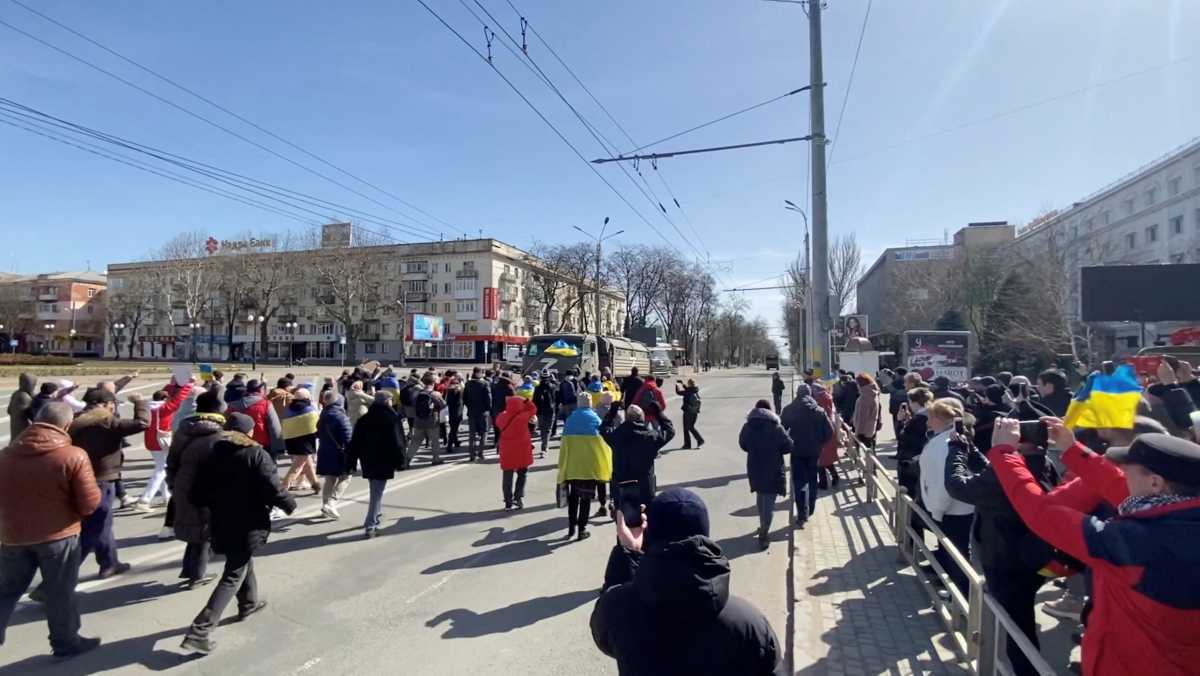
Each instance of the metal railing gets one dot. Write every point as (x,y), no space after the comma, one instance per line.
(979,626)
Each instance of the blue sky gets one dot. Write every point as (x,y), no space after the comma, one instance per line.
(927,143)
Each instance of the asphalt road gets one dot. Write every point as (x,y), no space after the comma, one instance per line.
(453,584)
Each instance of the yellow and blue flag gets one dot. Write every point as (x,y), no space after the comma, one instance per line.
(562,349)
(584,455)
(1106,400)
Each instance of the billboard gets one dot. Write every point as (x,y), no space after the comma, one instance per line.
(1140,293)
(491,303)
(428,327)
(938,353)
(850,326)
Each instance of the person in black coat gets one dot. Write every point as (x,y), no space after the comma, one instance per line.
(630,386)
(477,396)
(941,389)
(765,442)
(809,429)
(1011,555)
(777,388)
(897,395)
(545,398)
(665,607)
(635,446)
(986,410)
(691,412)
(333,438)
(1052,386)
(845,397)
(454,406)
(239,486)
(502,389)
(378,450)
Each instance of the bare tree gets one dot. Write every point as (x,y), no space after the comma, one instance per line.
(640,272)
(14,310)
(845,269)
(129,301)
(565,278)
(347,289)
(187,273)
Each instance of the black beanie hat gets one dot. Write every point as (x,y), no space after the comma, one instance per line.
(675,514)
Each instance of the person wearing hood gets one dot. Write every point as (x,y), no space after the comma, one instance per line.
(235,390)
(953,516)
(516,448)
(845,396)
(766,443)
(691,412)
(102,434)
(477,397)
(1052,386)
(333,438)
(809,429)
(47,488)
(867,419)
(20,405)
(1012,557)
(777,388)
(190,448)
(666,608)
(237,485)
(545,401)
(267,432)
(299,424)
(1144,561)
(897,395)
(584,461)
(568,395)
(377,450)
(635,446)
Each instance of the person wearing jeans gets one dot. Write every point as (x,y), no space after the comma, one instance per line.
(46,488)
(377,450)
(809,428)
(953,516)
(766,443)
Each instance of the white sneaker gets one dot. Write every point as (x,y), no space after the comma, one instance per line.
(167,533)
(128,501)
(142,506)
(331,511)
(277,514)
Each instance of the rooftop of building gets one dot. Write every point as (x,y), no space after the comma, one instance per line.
(85,276)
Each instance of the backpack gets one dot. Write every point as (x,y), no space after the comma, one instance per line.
(406,395)
(422,403)
(646,400)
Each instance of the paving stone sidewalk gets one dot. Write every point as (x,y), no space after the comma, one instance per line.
(858,609)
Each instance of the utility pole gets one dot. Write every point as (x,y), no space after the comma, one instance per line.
(820,229)
(599,258)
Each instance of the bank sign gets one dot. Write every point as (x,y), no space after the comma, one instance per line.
(212,245)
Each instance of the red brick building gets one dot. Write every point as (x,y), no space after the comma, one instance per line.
(53,313)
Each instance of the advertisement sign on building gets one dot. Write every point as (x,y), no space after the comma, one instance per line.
(490,304)
(938,353)
(428,327)
(850,326)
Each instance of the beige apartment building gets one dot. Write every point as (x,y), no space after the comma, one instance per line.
(482,297)
(59,313)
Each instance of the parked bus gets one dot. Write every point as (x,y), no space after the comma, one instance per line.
(566,351)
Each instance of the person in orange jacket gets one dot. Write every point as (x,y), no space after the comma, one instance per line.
(1145,561)
(516,447)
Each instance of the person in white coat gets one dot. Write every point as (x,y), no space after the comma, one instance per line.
(952,516)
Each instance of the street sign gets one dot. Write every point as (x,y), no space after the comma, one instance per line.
(342,340)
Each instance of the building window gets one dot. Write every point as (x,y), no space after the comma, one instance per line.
(1088,225)
(416,285)
(1131,240)
(468,265)
(466,306)
(1173,185)
(1129,206)
(1152,233)
(1176,225)
(1151,195)
(416,266)
(446,286)
(1196,174)
(1131,341)
(91,293)
(447,267)
(383,328)
(447,307)
(1198,219)
(369,348)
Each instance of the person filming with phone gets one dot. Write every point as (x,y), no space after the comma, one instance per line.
(665,607)
(1144,561)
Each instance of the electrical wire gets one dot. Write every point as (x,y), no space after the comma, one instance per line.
(225,176)
(227,111)
(202,118)
(849,81)
(712,122)
(547,121)
(596,134)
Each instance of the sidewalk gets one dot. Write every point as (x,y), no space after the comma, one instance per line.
(859,610)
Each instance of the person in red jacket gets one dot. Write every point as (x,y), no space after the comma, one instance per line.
(826,470)
(516,447)
(158,438)
(647,393)
(1145,561)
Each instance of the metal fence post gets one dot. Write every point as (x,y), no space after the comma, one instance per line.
(987,651)
(975,606)
(900,527)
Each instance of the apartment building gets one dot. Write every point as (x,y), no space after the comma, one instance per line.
(482,294)
(1150,216)
(59,313)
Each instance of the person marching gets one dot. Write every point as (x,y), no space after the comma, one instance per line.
(691,412)
(765,442)
(777,388)
(584,460)
(333,436)
(378,447)
(300,437)
(516,448)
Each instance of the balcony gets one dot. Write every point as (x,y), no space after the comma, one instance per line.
(466,294)
(508,278)
(416,297)
(48,295)
(470,315)
(468,273)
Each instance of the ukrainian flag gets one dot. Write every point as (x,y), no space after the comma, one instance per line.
(561,348)
(584,455)
(1106,400)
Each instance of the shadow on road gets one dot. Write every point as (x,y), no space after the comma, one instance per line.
(738,546)
(138,651)
(499,535)
(522,550)
(710,482)
(469,624)
(99,600)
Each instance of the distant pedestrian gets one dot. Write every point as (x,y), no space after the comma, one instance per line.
(766,443)
(20,405)
(545,399)
(630,386)
(46,489)
(635,446)
(691,412)
(268,431)
(158,441)
(427,405)
(454,415)
(377,449)
(777,388)
(238,486)
(477,397)
(358,400)
(866,419)
(809,428)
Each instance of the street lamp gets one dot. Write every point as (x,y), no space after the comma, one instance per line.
(49,326)
(254,339)
(71,342)
(193,328)
(599,240)
(7,339)
(806,328)
(119,329)
(290,327)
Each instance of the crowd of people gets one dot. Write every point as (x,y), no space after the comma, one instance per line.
(1110,511)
